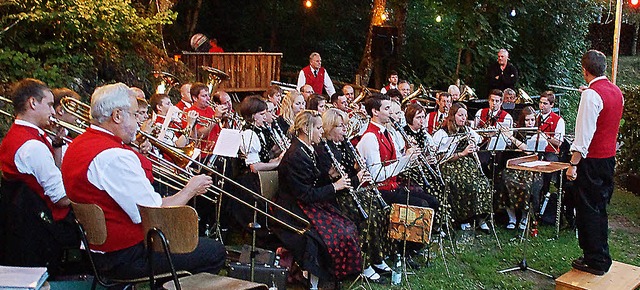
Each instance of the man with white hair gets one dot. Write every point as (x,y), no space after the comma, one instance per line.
(454,91)
(185,97)
(316,76)
(100,168)
(502,74)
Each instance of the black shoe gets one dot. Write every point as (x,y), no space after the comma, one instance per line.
(412,264)
(579,264)
(383,272)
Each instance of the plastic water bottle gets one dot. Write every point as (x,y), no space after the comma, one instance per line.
(396,272)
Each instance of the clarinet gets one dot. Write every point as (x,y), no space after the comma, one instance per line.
(281,134)
(279,142)
(363,166)
(475,154)
(338,167)
(421,159)
(438,174)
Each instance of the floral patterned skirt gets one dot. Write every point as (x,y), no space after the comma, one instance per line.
(519,185)
(470,192)
(339,235)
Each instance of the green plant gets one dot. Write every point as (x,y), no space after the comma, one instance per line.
(628,160)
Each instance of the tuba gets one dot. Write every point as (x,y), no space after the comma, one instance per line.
(166,81)
(523,98)
(420,95)
(214,77)
(467,94)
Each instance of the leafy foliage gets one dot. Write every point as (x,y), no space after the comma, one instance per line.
(79,44)
(629,131)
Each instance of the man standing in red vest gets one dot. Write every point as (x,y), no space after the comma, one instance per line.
(393,82)
(316,76)
(593,162)
(35,222)
(100,168)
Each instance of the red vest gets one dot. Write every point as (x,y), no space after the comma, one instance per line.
(121,231)
(603,144)
(316,82)
(15,138)
(387,152)
(549,125)
(432,122)
(484,118)
(182,105)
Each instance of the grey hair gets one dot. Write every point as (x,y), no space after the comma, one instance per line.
(504,50)
(107,98)
(313,54)
(452,88)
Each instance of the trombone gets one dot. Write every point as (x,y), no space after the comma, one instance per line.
(164,171)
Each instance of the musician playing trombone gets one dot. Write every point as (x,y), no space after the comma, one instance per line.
(100,168)
(36,222)
(470,190)
(373,231)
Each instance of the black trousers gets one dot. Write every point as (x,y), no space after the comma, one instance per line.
(548,177)
(594,187)
(132,262)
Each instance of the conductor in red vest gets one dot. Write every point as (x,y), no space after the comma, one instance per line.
(316,76)
(100,168)
(593,162)
(35,220)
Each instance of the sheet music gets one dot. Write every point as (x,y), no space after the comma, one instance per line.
(228,143)
(497,143)
(539,140)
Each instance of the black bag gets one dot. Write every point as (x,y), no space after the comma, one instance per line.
(269,275)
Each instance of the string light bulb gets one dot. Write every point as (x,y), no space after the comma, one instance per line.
(513,12)
(308,3)
(438,18)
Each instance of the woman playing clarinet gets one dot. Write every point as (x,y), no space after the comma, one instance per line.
(470,190)
(373,230)
(330,250)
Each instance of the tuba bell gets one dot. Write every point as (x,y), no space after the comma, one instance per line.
(523,98)
(421,95)
(467,94)
(214,77)
(165,81)
(357,124)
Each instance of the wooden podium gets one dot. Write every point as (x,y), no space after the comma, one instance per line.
(517,163)
(620,277)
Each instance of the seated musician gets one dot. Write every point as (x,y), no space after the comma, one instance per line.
(256,147)
(221,100)
(292,103)
(454,91)
(330,250)
(436,118)
(470,191)
(185,97)
(339,101)
(374,231)
(208,133)
(273,94)
(99,168)
(415,129)
(160,104)
(317,102)
(520,184)
(553,127)
(35,222)
(62,115)
(385,162)
(493,117)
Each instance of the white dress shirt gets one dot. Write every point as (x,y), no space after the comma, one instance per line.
(441,134)
(369,149)
(391,87)
(507,122)
(328,84)
(118,171)
(34,158)
(250,146)
(588,112)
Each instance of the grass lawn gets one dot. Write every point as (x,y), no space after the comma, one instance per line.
(476,266)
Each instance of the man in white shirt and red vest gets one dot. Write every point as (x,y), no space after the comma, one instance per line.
(385,161)
(100,168)
(36,223)
(490,117)
(435,119)
(393,82)
(552,125)
(593,162)
(316,76)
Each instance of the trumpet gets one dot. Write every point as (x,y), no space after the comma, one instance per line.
(363,166)
(338,167)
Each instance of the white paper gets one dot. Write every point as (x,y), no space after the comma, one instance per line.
(228,143)
(501,143)
(535,163)
(540,140)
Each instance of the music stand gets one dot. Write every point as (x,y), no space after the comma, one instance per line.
(528,163)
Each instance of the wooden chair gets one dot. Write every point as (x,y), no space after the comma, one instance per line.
(174,230)
(93,231)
